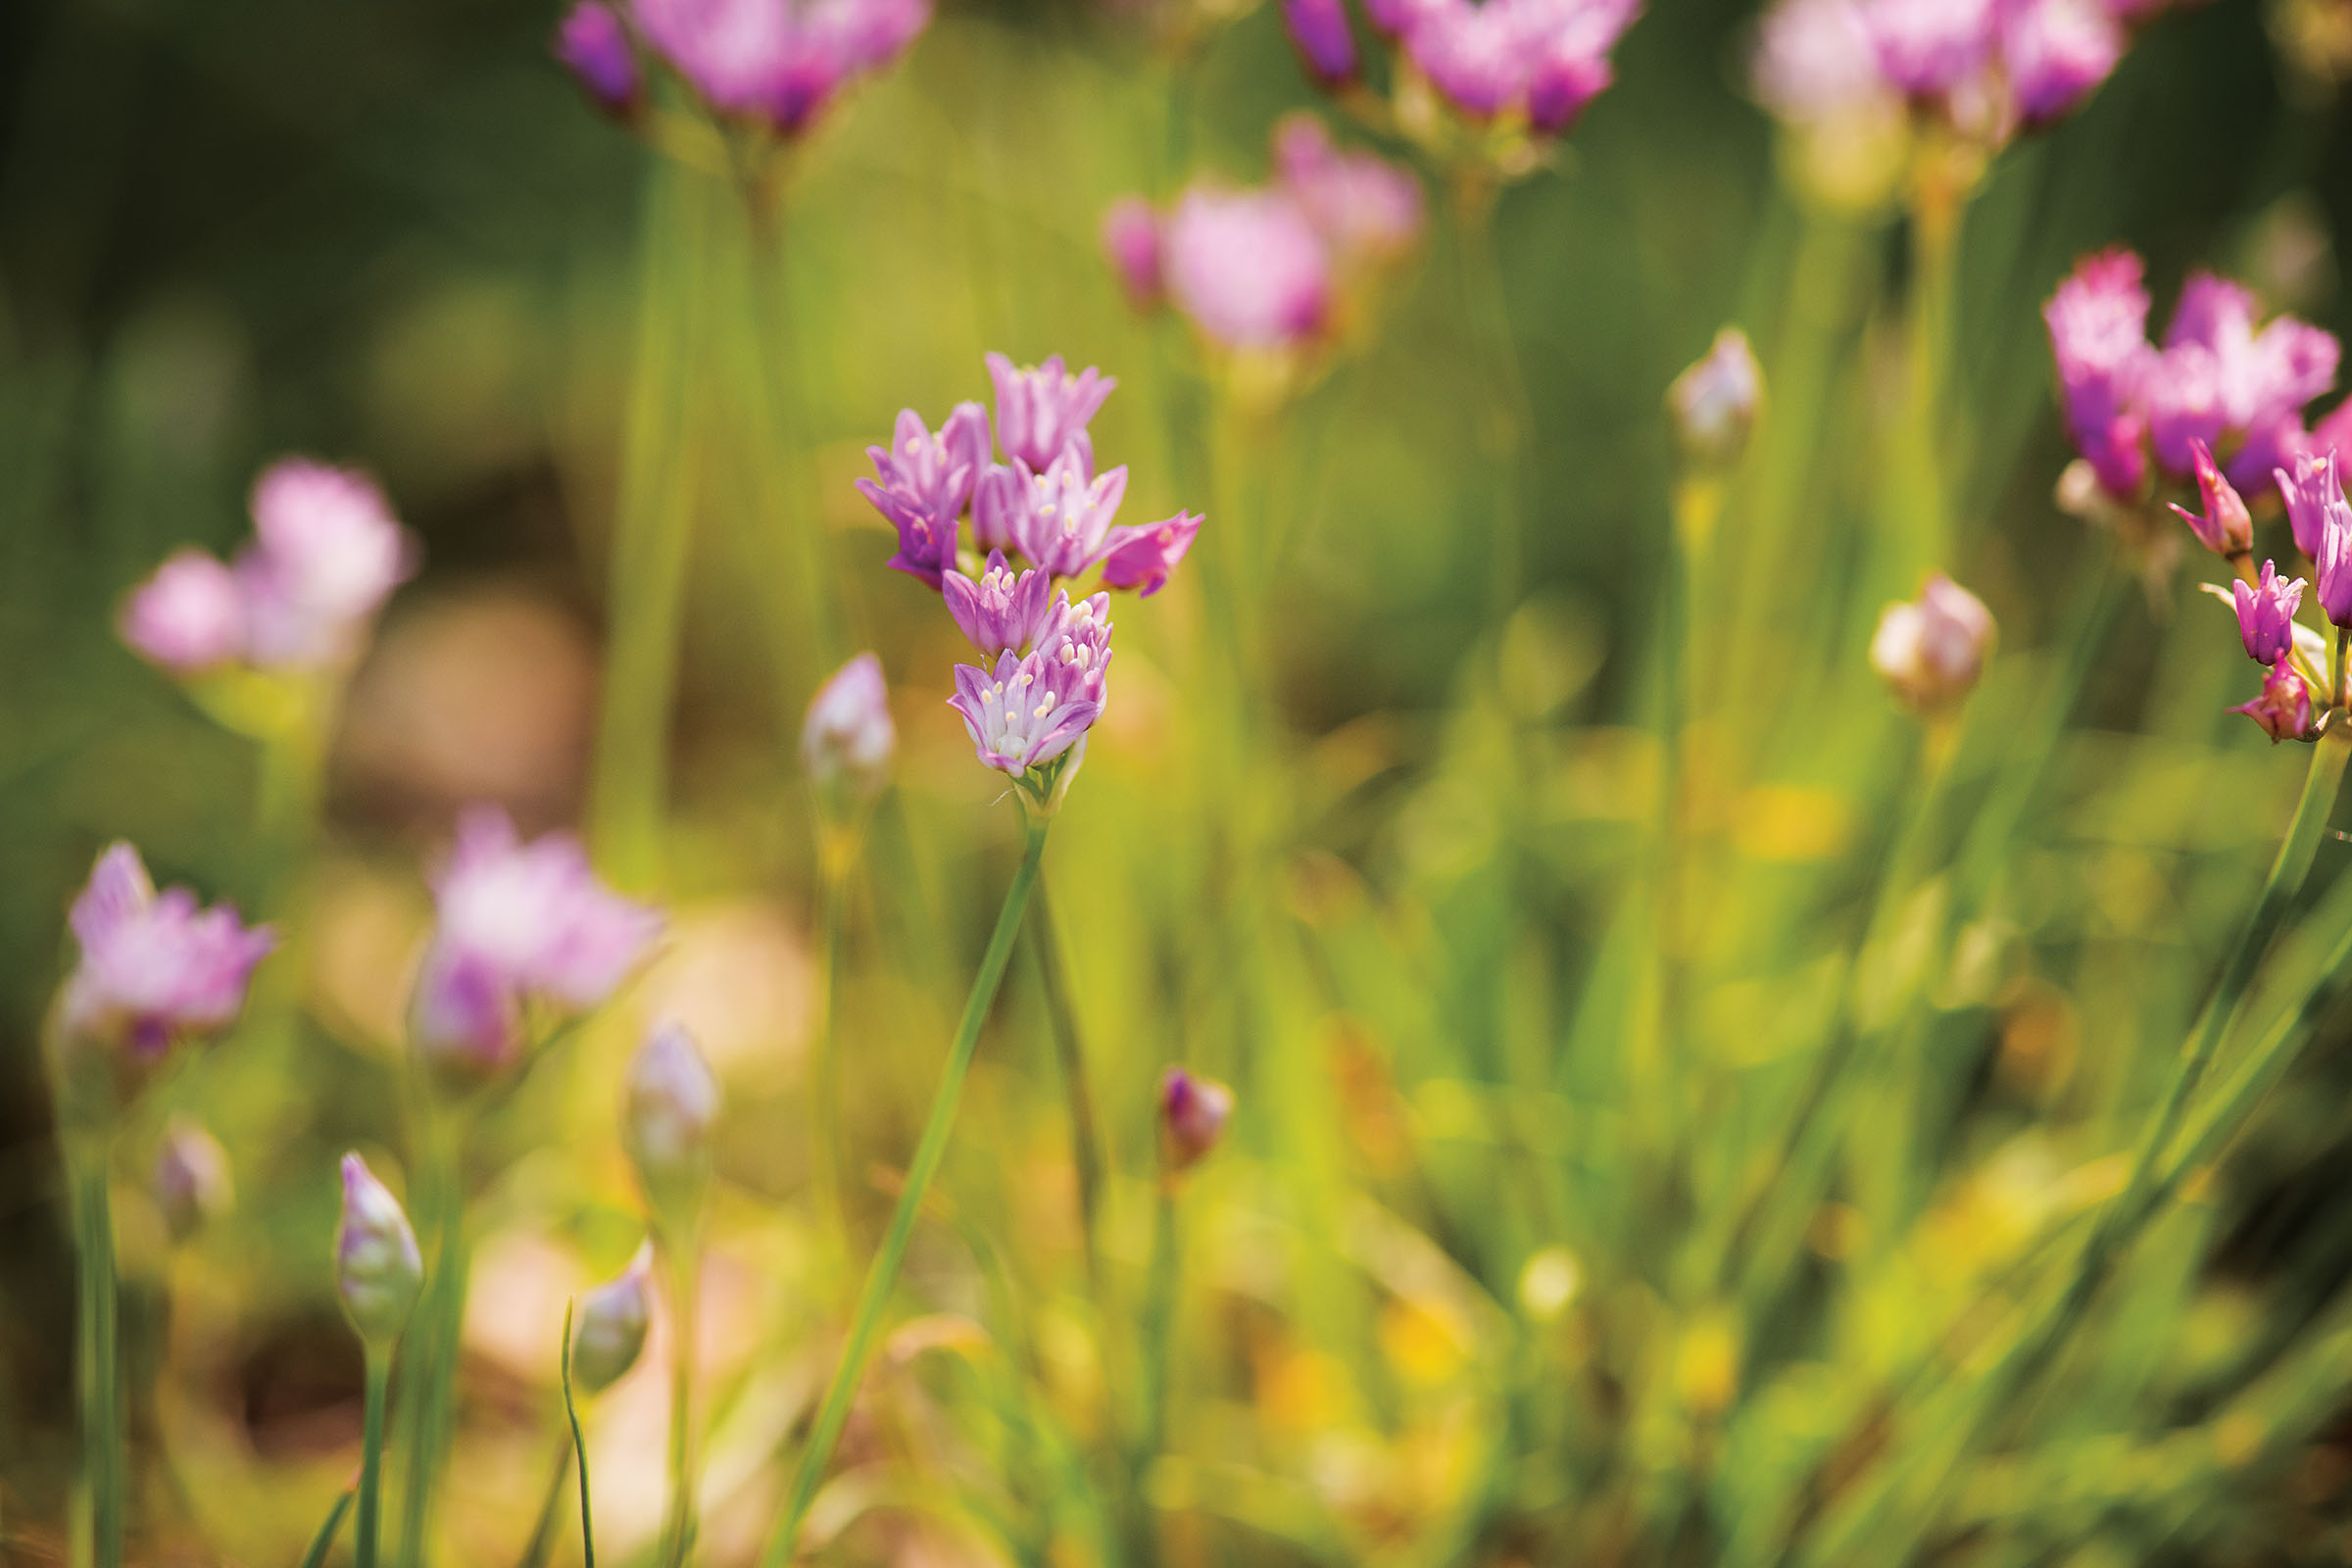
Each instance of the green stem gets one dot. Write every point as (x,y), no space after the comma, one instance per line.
(325,1541)
(928,1152)
(542,1543)
(678,1522)
(579,1447)
(1935,237)
(97,1366)
(1159,1312)
(1069,1050)
(429,1375)
(371,1457)
(824,1099)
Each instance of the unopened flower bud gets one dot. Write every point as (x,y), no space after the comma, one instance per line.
(2283,707)
(1193,1113)
(1326,47)
(191,1178)
(595,44)
(377,1267)
(2225,526)
(847,740)
(612,1325)
(1714,402)
(1932,649)
(669,1107)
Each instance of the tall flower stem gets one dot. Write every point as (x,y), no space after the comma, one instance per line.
(685,1270)
(97,1374)
(428,1379)
(1069,1050)
(929,1150)
(1682,669)
(1152,1419)
(542,1544)
(836,853)
(367,1527)
(1909,1487)
(1504,417)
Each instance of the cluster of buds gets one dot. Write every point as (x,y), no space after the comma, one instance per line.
(1277,269)
(1981,70)
(1044,519)
(770,66)
(155,970)
(2303,683)
(1491,79)
(519,928)
(1932,649)
(326,553)
(2224,391)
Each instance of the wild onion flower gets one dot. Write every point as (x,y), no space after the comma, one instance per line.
(1144,557)
(1028,710)
(1193,1114)
(2098,323)
(2225,526)
(1714,402)
(1932,649)
(848,741)
(776,65)
(1059,518)
(1005,611)
(155,968)
(326,553)
(2266,614)
(518,924)
(612,1320)
(2308,493)
(192,1183)
(1540,60)
(925,484)
(1368,209)
(378,1271)
(2284,709)
(668,1109)
(1326,47)
(594,43)
(1043,410)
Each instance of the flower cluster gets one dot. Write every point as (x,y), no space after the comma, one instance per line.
(2223,385)
(2302,680)
(325,553)
(1530,65)
(1986,69)
(516,923)
(1272,267)
(1046,518)
(771,64)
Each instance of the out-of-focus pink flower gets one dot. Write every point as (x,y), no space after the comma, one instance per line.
(1248,268)
(778,63)
(1131,239)
(1545,58)
(1928,47)
(155,968)
(2308,492)
(189,616)
(669,1107)
(594,45)
(517,922)
(2238,389)
(2056,52)
(2283,709)
(1043,410)
(192,1183)
(1193,1114)
(326,554)
(2225,526)
(1143,557)
(1714,403)
(1932,649)
(2099,324)
(1816,59)
(1366,208)
(1318,28)
(847,740)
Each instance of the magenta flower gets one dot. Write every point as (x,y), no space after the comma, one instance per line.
(517,923)
(1932,649)
(2225,526)
(1714,403)
(2266,614)
(189,616)
(2056,53)
(1028,711)
(1041,410)
(1079,645)
(1003,612)
(1058,518)
(2335,554)
(2098,323)
(1816,59)
(1193,1114)
(926,541)
(1131,239)
(848,741)
(2239,390)
(935,474)
(155,968)
(1365,208)
(1248,268)
(594,45)
(1144,557)
(2310,495)
(327,551)
(1545,58)
(1319,30)
(1925,48)
(2283,709)
(777,63)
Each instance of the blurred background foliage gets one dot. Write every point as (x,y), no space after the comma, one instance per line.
(388,232)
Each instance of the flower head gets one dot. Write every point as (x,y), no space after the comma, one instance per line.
(1041,410)
(378,1271)
(1714,402)
(2056,52)
(1932,649)
(777,63)
(2266,614)
(1366,208)
(189,616)
(517,922)
(1003,610)
(155,968)
(594,45)
(2283,707)
(1058,518)
(1544,58)
(2099,324)
(848,741)
(1131,239)
(326,553)
(669,1107)
(612,1320)
(1145,555)
(1028,710)
(1247,267)
(2238,389)
(191,1178)
(2225,526)
(1193,1114)
(1928,47)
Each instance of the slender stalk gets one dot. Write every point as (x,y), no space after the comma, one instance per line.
(97,1364)
(542,1543)
(1158,1317)
(1504,420)
(325,1541)
(824,1099)
(579,1447)
(371,1457)
(928,1152)
(1069,1049)
(1936,210)
(678,1522)
(430,1369)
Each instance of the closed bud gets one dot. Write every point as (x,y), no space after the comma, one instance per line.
(612,1325)
(1714,402)
(191,1178)
(1193,1113)
(378,1268)
(667,1111)
(1932,649)
(847,740)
